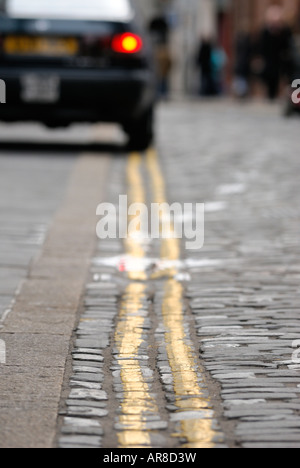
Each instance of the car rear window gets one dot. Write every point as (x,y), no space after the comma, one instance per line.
(98,10)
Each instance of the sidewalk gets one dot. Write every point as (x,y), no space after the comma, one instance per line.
(38,330)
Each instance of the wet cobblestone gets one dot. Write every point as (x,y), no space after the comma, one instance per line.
(247,307)
(236,306)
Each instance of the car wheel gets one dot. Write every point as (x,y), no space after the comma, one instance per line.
(140,131)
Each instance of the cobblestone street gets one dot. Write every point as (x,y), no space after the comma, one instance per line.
(126,344)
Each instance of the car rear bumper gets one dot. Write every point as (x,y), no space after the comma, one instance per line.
(84,95)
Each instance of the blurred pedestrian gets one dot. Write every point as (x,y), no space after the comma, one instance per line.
(205,64)
(243,57)
(219,60)
(275,50)
(163,68)
(159,30)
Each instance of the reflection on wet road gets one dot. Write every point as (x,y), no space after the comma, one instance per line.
(193,413)
(137,401)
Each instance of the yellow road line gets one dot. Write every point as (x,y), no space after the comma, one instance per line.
(195,428)
(197,431)
(170,247)
(136,194)
(137,402)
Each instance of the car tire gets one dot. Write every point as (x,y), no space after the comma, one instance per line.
(140,131)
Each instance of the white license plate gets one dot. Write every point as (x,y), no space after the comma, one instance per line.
(42,89)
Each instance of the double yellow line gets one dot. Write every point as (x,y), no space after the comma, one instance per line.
(136,194)
(196,423)
(137,401)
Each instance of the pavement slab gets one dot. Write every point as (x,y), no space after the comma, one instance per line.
(38,330)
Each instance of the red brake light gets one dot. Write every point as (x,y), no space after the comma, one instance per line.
(127,43)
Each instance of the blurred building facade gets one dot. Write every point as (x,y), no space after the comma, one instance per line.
(188,20)
(221,19)
(234,14)
(253,11)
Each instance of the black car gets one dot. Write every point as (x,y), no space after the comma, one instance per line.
(66,61)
